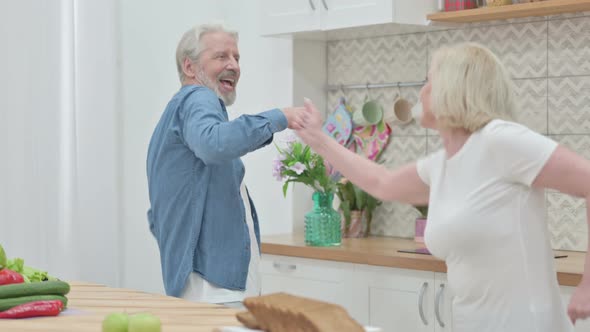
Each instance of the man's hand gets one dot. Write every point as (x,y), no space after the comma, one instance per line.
(294,116)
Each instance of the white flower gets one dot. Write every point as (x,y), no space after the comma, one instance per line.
(298,168)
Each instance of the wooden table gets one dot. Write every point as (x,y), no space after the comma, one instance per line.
(90,303)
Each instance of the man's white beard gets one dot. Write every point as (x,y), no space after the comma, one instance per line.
(227,100)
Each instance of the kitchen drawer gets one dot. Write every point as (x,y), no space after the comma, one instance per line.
(332,282)
(303,268)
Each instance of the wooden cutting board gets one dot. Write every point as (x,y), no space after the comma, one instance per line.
(90,303)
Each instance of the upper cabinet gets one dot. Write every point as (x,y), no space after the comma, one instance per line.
(286,16)
(294,16)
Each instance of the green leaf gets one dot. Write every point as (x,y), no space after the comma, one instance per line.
(2,258)
(307,153)
(369,219)
(372,203)
(285,186)
(423,209)
(297,149)
(290,173)
(361,198)
(349,194)
(16,265)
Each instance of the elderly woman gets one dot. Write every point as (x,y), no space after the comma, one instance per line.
(485,190)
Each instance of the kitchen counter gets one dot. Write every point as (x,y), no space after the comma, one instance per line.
(89,303)
(383,251)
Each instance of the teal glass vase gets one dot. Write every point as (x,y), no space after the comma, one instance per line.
(322,224)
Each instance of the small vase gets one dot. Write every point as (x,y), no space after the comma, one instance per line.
(356,227)
(322,224)
(419,230)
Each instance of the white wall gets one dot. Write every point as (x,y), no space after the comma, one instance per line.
(58,112)
(29,131)
(149,33)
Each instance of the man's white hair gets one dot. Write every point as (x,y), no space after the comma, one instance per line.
(470,87)
(190,45)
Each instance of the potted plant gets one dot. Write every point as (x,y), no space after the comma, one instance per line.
(420,223)
(356,205)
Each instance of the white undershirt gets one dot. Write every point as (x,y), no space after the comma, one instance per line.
(489,225)
(198,289)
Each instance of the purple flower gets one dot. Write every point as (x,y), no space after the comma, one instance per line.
(298,168)
(277,168)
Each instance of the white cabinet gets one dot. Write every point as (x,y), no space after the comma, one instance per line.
(407,300)
(566,294)
(317,279)
(292,16)
(443,300)
(400,300)
(389,298)
(286,16)
(337,14)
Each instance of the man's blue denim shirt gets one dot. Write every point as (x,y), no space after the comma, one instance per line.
(194,174)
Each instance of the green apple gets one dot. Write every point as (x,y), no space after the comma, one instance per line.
(115,322)
(144,323)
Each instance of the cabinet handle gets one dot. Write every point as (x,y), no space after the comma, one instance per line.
(437,305)
(311,4)
(284,267)
(421,303)
(325,4)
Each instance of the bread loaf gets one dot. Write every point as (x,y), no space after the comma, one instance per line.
(282,312)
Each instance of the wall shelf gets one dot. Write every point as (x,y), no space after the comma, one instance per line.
(542,8)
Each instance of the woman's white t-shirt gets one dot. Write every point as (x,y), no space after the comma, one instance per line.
(198,289)
(489,225)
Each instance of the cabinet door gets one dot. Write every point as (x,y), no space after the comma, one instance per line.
(351,13)
(566,294)
(287,16)
(443,304)
(400,300)
(321,280)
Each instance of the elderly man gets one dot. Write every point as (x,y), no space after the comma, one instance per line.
(201,214)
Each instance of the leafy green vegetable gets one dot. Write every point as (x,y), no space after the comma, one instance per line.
(2,258)
(29,274)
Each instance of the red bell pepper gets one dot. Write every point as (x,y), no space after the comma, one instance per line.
(34,309)
(10,277)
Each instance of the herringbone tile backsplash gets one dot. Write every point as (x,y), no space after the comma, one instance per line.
(549,59)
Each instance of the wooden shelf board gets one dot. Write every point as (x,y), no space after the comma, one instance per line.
(542,8)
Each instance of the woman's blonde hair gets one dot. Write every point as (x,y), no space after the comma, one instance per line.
(470,87)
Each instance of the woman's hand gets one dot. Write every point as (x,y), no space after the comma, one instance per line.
(294,116)
(310,130)
(579,307)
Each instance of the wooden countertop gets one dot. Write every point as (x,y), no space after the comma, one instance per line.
(383,251)
(89,303)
